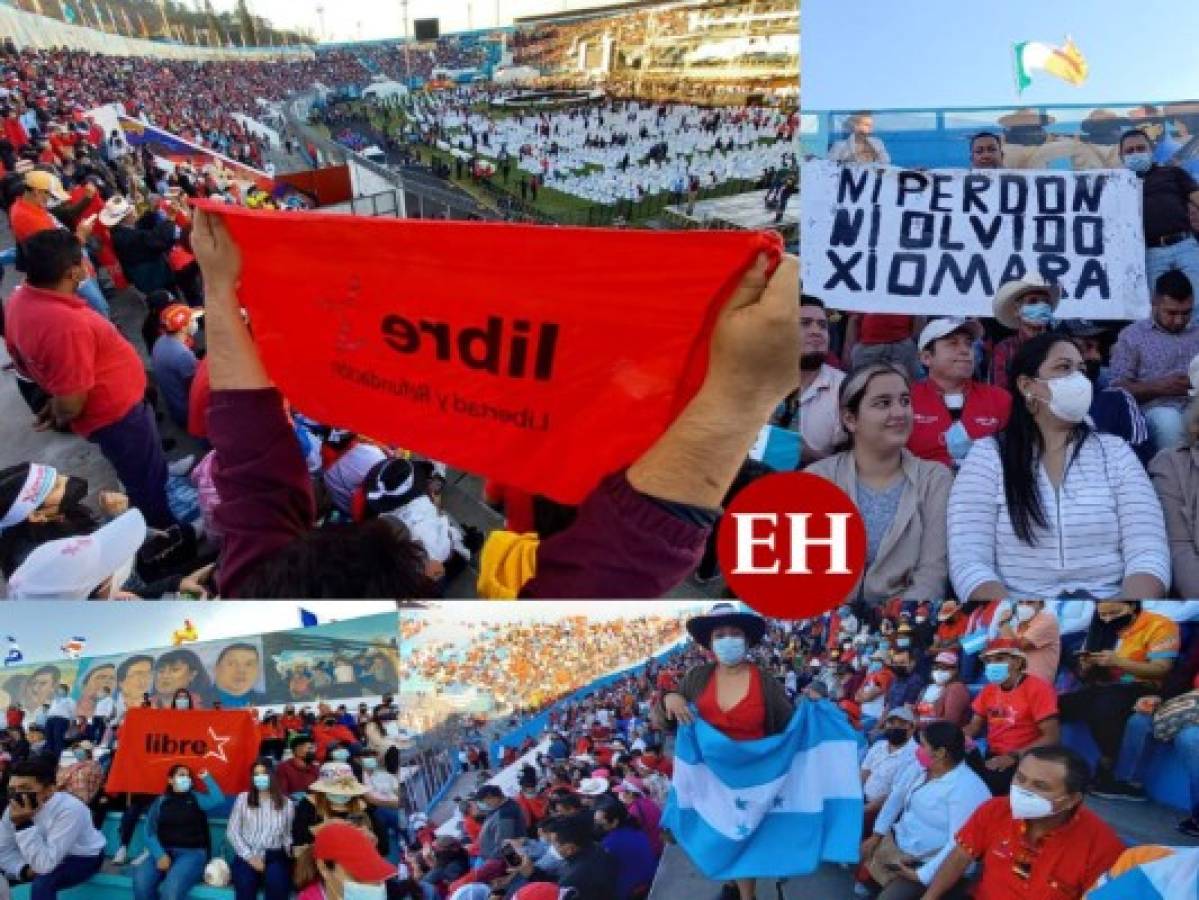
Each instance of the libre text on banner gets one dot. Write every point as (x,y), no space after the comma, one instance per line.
(771,808)
(544,358)
(941,242)
(222,742)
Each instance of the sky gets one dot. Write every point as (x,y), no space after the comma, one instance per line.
(945,53)
(114,627)
(351,20)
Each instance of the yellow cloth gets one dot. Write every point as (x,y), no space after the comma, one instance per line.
(508,562)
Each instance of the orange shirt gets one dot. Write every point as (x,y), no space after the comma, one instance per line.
(1062,865)
(1151,636)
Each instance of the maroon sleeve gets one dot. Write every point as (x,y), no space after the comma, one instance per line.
(260,475)
(621,545)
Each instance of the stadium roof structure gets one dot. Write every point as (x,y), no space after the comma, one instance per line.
(592,12)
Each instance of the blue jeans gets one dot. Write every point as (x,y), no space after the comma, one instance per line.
(1139,740)
(186,871)
(276,877)
(134,448)
(1165,427)
(71,871)
(90,291)
(56,733)
(1184,256)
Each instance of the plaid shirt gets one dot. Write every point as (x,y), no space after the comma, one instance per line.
(82,780)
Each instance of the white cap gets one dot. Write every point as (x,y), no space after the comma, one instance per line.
(72,568)
(939,328)
(593,787)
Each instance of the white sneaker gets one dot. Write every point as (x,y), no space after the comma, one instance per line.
(181,467)
(141,857)
(122,855)
(860,890)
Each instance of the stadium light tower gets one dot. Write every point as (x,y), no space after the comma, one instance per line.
(407,64)
(320,18)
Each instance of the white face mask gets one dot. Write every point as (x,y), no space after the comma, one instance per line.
(940,676)
(1070,396)
(1027,805)
(352,890)
(1024,612)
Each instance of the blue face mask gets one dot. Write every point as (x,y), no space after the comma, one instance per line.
(340,755)
(875,666)
(81,755)
(1139,162)
(262,782)
(339,799)
(1040,313)
(903,642)
(369,763)
(997,672)
(884,645)
(183,783)
(729,650)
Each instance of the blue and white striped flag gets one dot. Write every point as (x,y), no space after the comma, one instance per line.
(770,808)
(1174,876)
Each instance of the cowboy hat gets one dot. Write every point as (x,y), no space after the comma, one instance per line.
(115,211)
(1006,304)
(726,615)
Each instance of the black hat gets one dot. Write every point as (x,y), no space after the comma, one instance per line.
(392,484)
(726,614)
(488,790)
(1081,328)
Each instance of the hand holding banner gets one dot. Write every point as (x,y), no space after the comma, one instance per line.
(223,742)
(545,358)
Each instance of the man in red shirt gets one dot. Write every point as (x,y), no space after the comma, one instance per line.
(1039,842)
(950,410)
(94,377)
(1018,711)
(297,774)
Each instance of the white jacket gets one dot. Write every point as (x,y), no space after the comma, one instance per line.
(1103,525)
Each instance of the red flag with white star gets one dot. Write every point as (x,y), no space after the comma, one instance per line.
(223,743)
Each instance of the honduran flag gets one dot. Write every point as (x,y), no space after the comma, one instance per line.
(770,808)
(1151,873)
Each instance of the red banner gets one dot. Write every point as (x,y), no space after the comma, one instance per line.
(542,357)
(223,743)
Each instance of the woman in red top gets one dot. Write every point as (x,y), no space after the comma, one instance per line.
(732,694)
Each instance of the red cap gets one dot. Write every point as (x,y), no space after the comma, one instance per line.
(351,849)
(539,890)
(175,317)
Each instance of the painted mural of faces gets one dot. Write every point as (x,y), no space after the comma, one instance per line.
(40,687)
(135,677)
(237,669)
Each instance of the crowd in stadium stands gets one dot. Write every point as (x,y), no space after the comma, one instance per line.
(1021,455)
(507,660)
(611,151)
(401,62)
(315,765)
(968,715)
(85,205)
(705,52)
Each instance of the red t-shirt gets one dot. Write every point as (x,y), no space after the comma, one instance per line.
(883,328)
(1063,865)
(1013,716)
(67,348)
(985,412)
(197,401)
(953,629)
(744,721)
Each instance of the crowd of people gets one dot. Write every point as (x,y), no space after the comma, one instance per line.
(967,714)
(316,766)
(1019,455)
(506,661)
(612,150)
(92,218)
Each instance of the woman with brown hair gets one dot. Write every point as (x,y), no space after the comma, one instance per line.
(259,831)
(337,796)
(903,498)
